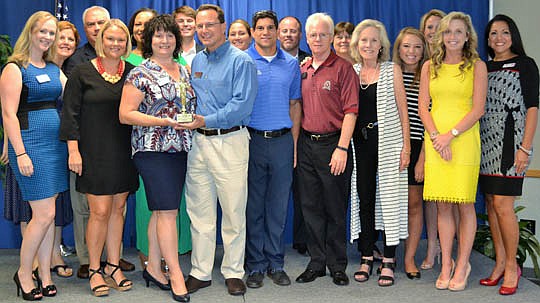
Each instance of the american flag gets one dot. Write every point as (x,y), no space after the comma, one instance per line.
(62,10)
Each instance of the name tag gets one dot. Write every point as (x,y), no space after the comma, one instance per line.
(43,78)
(507,65)
(197,75)
(162,81)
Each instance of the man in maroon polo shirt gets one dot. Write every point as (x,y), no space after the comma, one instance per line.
(330,104)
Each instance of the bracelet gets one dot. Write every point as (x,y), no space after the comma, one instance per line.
(527,151)
(434,134)
(21,154)
(342,148)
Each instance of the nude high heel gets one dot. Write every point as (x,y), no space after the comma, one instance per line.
(461,286)
(443,284)
(436,260)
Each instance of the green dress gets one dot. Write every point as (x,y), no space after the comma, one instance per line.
(142,214)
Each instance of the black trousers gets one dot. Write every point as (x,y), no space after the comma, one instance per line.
(324,198)
(299,228)
(366,184)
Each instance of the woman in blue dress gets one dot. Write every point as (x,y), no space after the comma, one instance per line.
(30,85)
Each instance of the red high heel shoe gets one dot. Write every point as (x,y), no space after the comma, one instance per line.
(505,291)
(491,282)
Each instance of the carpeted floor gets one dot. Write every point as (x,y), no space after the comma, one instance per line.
(74,290)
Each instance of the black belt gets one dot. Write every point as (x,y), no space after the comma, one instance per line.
(26,107)
(218,131)
(319,137)
(268,134)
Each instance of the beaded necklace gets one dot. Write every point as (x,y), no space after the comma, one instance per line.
(108,77)
(368,81)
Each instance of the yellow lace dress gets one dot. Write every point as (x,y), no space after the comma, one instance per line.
(453,181)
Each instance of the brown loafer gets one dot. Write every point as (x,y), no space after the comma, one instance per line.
(83,273)
(126,265)
(235,286)
(193,284)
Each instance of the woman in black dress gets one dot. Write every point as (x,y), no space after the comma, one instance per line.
(100,150)
(507,132)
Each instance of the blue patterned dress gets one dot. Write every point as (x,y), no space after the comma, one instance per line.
(39,124)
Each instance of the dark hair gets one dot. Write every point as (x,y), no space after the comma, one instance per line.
(517,44)
(264,14)
(217,9)
(341,27)
(241,22)
(163,22)
(297,20)
(131,23)
(186,10)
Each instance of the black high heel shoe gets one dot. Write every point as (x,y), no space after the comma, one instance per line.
(180,298)
(148,278)
(47,291)
(33,295)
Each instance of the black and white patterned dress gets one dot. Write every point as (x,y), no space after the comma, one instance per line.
(512,89)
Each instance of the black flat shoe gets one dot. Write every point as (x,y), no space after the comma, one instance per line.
(255,280)
(148,278)
(340,278)
(413,275)
(32,295)
(310,275)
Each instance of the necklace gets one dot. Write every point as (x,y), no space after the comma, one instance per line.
(108,77)
(368,80)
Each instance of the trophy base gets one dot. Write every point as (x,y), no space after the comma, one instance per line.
(184,118)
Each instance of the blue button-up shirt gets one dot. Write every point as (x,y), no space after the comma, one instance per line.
(225,82)
(279,82)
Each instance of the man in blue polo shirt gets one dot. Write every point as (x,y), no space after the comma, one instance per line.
(225,82)
(274,129)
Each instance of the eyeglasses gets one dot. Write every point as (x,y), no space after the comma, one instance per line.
(322,36)
(209,25)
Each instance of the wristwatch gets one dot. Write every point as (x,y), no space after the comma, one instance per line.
(454,132)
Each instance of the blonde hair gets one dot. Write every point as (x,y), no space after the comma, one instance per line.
(433,12)
(21,51)
(397,44)
(110,23)
(384,52)
(469,53)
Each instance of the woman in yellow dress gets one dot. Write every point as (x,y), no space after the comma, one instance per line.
(455,80)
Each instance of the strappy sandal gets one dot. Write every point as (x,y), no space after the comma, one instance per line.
(124,285)
(364,274)
(61,270)
(382,278)
(100,290)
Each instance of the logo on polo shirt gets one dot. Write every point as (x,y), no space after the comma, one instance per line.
(326,85)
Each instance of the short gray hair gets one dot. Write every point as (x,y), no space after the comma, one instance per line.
(96,7)
(320,17)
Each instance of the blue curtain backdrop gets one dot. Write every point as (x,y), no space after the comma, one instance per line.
(395,14)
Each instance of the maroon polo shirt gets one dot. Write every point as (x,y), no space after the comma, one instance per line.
(328,93)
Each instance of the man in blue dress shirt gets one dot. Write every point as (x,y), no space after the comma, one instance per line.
(276,111)
(225,82)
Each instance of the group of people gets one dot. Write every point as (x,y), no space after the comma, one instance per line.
(243,123)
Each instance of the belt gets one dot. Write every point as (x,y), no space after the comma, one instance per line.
(218,131)
(268,134)
(371,125)
(320,137)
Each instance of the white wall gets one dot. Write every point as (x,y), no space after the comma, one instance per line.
(525,14)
